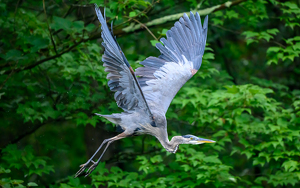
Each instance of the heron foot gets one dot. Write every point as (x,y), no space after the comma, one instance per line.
(81,171)
(91,169)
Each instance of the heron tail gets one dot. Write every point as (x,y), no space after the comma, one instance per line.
(112,118)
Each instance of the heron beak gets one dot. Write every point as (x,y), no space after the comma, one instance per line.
(207,141)
(201,141)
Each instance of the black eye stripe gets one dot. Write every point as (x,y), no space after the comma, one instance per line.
(187,136)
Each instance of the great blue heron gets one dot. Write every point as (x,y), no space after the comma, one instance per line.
(145,99)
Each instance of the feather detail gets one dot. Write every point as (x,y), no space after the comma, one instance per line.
(121,77)
(181,58)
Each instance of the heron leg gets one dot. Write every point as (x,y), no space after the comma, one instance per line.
(95,164)
(84,166)
(92,168)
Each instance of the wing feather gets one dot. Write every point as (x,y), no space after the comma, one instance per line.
(181,57)
(122,79)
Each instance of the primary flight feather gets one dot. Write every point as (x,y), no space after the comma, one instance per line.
(145,99)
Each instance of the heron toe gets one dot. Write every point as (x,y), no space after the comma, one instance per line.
(91,169)
(81,170)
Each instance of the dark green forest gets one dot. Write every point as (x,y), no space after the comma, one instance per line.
(246,95)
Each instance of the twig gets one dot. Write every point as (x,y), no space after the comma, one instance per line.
(279,44)
(11,73)
(225,29)
(199,4)
(51,37)
(68,12)
(143,25)
(49,58)
(145,11)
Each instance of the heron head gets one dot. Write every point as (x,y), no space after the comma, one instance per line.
(191,139)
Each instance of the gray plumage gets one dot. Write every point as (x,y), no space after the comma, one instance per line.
(145,99)
(128,94)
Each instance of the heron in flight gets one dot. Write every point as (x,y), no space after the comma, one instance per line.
(145,95)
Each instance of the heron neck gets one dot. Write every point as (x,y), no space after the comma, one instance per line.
(171,146)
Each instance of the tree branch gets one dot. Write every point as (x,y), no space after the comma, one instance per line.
(225,29)
(173,17)
(48,58)
(10,74)
(51,37)
(135,27)
(143,25)
(20,137)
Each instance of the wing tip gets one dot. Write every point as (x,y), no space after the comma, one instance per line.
(205,24)
(185,15)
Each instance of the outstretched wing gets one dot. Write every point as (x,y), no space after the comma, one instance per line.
(181,57)
(121,76)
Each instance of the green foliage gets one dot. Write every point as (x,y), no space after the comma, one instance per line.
(283,53)
(26,160)
(255,37)
(15,159)
(246,96)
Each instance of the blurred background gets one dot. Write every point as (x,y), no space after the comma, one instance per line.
(246,95)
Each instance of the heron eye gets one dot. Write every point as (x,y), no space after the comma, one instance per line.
(192,138)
